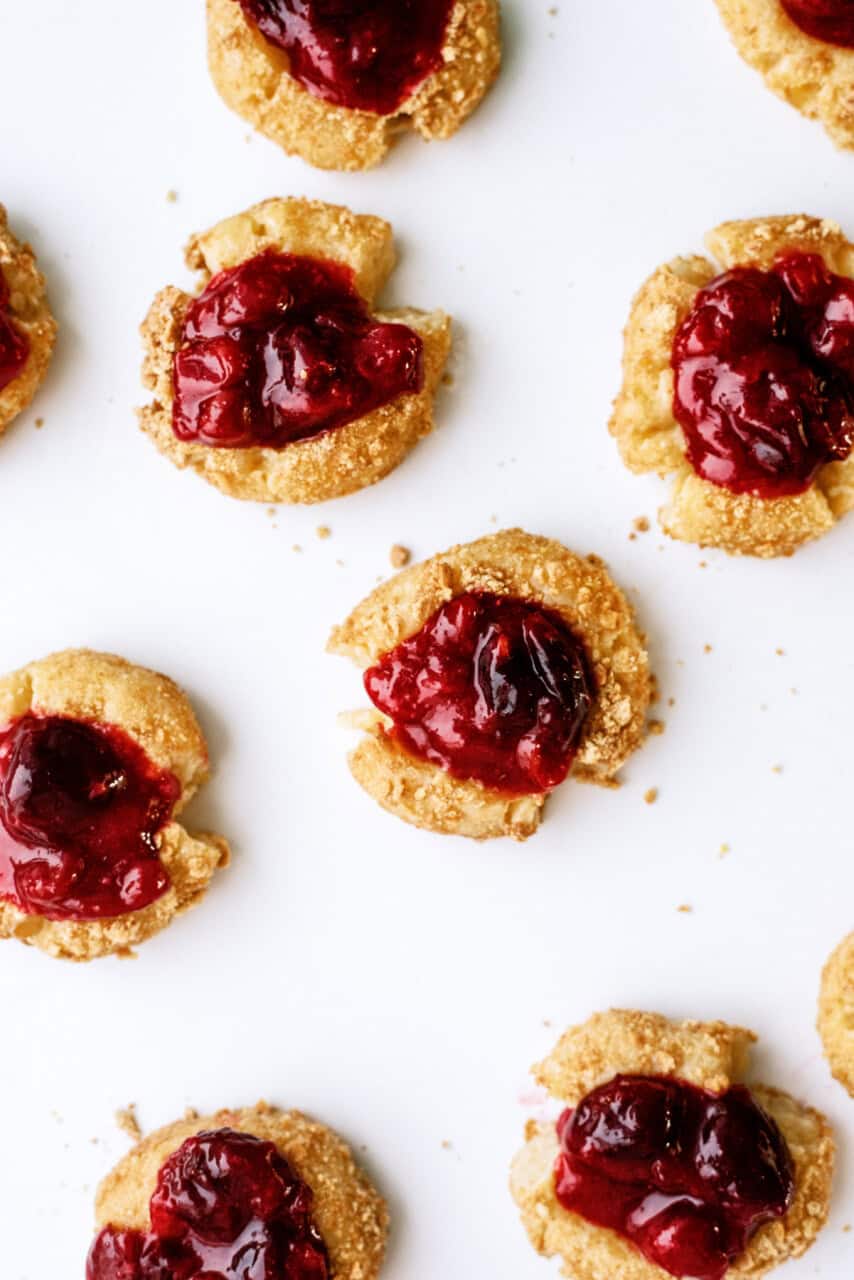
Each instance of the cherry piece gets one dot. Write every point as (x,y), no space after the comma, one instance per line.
(81,805)
(368,55)
(227,1206)
(14,345)
(282,348)
(829,20)
(491,688)
(764,376)
(686,1175)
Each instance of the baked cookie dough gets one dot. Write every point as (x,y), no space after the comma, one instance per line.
(349,1214)
(337,461)
(709,1056)
(152,716)
(24,307)
(836,1012)
(521,566)
(651,440)
(252,75)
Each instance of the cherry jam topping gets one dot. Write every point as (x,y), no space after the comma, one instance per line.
(764,376)
(227,1206)
(80,807)
(491,688)
(829,20)
(14,345)
(687,1176)
(369,55)
(282,348)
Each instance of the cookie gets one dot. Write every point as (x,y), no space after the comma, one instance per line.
(738,386)
(321,1214)
(643,1093)
(97,760)
(836,1012)
(279,383)
(339,91)
(27,328)
(543,671)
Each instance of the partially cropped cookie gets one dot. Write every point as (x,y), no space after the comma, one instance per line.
(836,1012)
(97,760)
(279,381)
(805,51)
(250,1193)
(663,1162)
(27,328)
(495,670)
(738,380)
(339,86)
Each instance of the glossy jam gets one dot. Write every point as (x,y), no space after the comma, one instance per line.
(491,688)
(14,345)
(227,1206)
(80,808)
(369,55)
(829,20)
(282,348)
(687,1176)
(764,376)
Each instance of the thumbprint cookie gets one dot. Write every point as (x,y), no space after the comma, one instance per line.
(97,759)
(250,1193)
(805,51)
(836,1013)
(278,382)
(337,85)
(27,328)
(663,1162)
(495,670)
(738,379)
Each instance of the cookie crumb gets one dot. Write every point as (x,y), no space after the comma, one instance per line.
(656,728)
(323,532)
(723,851)
(171,197)
(776,768)
(685,909)
(707,648)
(128,1123)
(399,556)
(296,547)
(271,511)
(651,796)
(447,1145)
(447,379)
(641,524)
(39,423)
(781,653)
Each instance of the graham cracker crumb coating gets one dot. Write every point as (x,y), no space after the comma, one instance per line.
(650,438)
(30,314)
(152,710)
(252,77)
(815,77)
(518,564)
(836,1013)
(349,1213)
(709,1055)
(337,462)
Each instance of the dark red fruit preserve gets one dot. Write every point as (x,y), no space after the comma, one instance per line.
(491,688)
(829,20)
(80,807)
(227,1206)
(764,376)
(14,345)
(282,348)
(369,55)
(687,1176)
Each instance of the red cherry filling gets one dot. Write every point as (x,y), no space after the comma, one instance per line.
(491,688)
(80,807)
(369,55)
(227,1206)
(829,20)
(687,1176)
(764,376)
(282,348)
(14,345)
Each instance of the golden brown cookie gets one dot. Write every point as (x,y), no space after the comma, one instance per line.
(155,716)
(836,1012)
(650,438)
(338,461)
(815,77)
(711,1056)
(519,565)
(348,1212)
(23,302)
(252,76)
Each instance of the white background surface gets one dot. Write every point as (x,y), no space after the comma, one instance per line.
(392,982)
